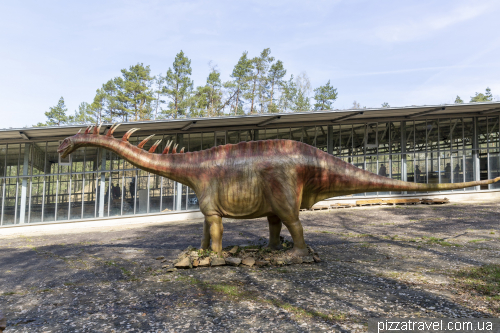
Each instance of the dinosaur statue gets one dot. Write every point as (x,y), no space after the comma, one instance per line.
(272,178)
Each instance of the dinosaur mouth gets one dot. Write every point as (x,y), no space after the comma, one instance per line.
(64,149)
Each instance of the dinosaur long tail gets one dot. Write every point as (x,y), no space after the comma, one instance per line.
(373,183)
(343,178)
(419,187)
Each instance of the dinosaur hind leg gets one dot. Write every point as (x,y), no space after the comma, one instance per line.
(205,241)
(294,226)
(216,231)
(290,218)
(274,232)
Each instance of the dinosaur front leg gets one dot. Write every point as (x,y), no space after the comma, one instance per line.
(205,241)
(274,232)
(216,230)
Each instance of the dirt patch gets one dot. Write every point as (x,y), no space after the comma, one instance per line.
(402,261)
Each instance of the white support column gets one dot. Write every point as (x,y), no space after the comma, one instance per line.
(178,197)
(24,185)
(475,155)
(404,176)
(102,185)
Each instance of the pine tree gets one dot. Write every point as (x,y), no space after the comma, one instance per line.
(458,100)
(259,80)
(158,91)
(480,97)
(111,103)
(302,102)
(288,95)
(275,79)
(199,105)
(134,92)
(240,83)
(214,93)
(488,95)
(56,115)
(84,114)
(179,86)
(324,96)
(98,106)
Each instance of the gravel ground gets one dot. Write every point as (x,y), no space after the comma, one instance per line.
(377,261)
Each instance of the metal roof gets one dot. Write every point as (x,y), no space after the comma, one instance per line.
(327,117)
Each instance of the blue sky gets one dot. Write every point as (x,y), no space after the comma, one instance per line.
(400,52)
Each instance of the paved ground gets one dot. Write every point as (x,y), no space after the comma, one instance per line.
(377,262)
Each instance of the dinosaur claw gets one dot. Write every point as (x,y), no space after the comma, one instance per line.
(174,151)
(182,150)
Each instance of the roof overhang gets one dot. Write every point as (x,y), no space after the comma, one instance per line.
(259,121)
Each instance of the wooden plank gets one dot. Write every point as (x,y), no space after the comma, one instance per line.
(342,205)
(369,202)
(412,201)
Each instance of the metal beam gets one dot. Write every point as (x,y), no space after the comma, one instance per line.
(425,112)
(268,121)
(188,126)
(489,111)
(346,116)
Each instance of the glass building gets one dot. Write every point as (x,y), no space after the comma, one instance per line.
(442,144)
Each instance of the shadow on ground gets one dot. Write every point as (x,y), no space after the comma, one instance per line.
(376,263)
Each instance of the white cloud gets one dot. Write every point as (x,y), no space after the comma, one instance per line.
(414,26)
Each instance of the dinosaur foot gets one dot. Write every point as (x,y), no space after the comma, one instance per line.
(273,246)
(296,252)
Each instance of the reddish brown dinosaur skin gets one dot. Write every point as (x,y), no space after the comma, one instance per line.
(273,178)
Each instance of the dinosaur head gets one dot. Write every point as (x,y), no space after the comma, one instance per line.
(72,143)
(67,146)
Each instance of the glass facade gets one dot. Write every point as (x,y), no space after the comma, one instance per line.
(37,186)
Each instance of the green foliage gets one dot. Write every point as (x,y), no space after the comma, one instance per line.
(256,85)
(480,97)
(111,104)
(458,100)
(179,87)
(158,92)
(56,116)
(301,100)
(84,114)
(259,81)
(275,80)
(134,95)
(207,99)
(288,94)
(385,105)
(241,76)
(484,280)
(324,96)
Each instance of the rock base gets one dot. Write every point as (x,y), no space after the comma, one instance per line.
(246,256)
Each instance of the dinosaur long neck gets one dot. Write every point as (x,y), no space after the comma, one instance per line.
(172,166)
